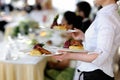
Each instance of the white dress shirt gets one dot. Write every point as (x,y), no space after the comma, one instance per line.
(102,37)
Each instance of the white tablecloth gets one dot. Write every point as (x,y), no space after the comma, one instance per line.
(23,68)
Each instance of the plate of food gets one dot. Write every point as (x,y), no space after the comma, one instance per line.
(74,49)
(38,50)
(72,45)
(60,27)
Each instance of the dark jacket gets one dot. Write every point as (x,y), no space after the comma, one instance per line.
(85,25)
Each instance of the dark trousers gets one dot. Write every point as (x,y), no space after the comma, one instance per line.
(96,75)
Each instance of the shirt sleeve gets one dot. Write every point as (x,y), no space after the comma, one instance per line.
(105,37)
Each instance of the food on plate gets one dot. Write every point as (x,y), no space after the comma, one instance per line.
(75,47)
(67,44)
(60,27)
(73,44)
(35,52)
(39,44)
(41,49)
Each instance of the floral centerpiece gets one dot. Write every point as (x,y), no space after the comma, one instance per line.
(24,27)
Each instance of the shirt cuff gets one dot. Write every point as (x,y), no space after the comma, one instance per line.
(97,61)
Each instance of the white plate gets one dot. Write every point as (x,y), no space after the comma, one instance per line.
(71,31)
(58,30)
(70,50)
(53,54)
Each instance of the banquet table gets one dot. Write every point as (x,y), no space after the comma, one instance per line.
(24,68)
(10,71)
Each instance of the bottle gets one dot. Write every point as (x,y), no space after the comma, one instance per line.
(55,21)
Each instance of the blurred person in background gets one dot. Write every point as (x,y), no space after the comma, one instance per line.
(71,20)
(101,41)
(47,8)
(36,13)
(7,8)
(47,5)
(83,9)
(28,8)
(38,7)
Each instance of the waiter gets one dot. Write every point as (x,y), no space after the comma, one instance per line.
(101,40)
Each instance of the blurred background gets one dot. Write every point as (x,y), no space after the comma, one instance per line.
(31,19)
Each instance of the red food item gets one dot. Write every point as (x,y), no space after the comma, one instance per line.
(67,44)
(72,42)
(75,43)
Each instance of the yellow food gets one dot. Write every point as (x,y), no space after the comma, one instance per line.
(60,27)
(76,47)
(35,52)
(43,33)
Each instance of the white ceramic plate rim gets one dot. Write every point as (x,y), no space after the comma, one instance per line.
(71,31)
(53,54)
(70,50)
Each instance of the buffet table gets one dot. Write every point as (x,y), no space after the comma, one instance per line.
(10,71)
(23,68)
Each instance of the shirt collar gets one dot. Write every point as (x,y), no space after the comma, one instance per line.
(108,8)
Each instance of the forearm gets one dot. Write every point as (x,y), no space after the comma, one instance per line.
(82,56)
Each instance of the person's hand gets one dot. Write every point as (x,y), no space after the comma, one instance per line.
(78,35)
(61,57)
